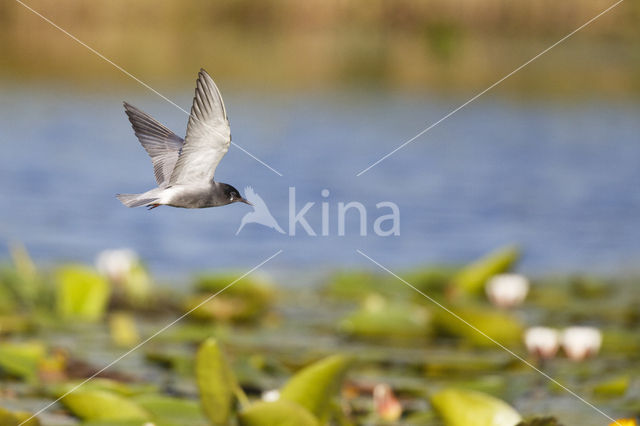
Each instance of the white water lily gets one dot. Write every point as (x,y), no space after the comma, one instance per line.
(542,342)
(116,264)
(507,290)
(126,272)
(270,395)
(580,343)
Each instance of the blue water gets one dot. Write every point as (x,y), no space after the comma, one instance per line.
(561,179)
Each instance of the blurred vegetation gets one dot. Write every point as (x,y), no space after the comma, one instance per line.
(292,45)
(265,355)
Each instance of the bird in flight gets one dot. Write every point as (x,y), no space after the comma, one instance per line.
(184,169)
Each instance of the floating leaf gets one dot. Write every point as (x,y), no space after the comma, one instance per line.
(100,383)
(123,331)
(245,300)
(138,285)
(103,405)
(17,418)
(540,421)
(394,321)
(22,359)
(81,293)
(357,284)
(172,410)
(501,326)
(277,413)
(315,385)
(613,387)
(471,408)
(215,381)
(431,279)
(471,279)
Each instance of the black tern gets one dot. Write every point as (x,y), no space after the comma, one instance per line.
(184,169)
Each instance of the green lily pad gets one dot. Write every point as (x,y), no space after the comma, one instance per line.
(472,408)
(540,421)
(22,359)
(472,278)
(102,405)
(172,410)
(501,326)
(385,320)
(99,383)
(245,300)
(138,285)
(431,279)
(81,293)
(16,418)
(354,285)
(613,387)
(216,382)
(315,385)
(123,330)
(465,364)
(277,413)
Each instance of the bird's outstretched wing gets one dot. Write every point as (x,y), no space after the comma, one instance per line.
(162,145)
(208,135)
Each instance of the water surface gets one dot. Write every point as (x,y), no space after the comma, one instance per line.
(560,178)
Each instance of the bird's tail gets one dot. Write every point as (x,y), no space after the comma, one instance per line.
(136,200)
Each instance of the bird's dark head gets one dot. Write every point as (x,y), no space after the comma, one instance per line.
(232,195)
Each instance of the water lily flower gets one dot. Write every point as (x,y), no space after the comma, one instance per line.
(385,403)
(116,264)
(507,290)
(124,269)
(581,342)
(271,395)
(543,342)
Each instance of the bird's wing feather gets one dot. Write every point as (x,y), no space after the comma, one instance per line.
(208,135)
(162,145)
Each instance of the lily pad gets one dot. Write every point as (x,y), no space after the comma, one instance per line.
(17,418)
(472,278)
(109,385)
(123,331)
(81,293)
(540,421)
(613,387)
(277,413)
(387,320)
(471,408)
(22,359)
(501,326)
(431,279)
(216,382)
(172,410)
(245,300)
(103,405)
(315,385)
(355,285)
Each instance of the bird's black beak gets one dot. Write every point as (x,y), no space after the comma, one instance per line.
(243,200)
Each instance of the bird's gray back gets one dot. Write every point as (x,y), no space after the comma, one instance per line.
(198,197)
